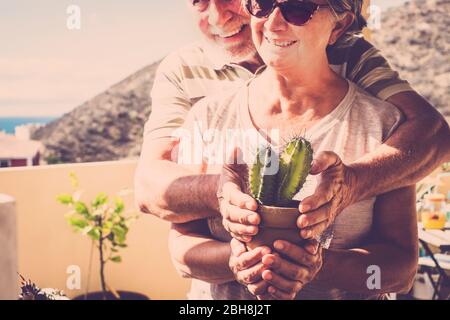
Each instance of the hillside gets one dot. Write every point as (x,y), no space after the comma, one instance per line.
(107,127)
(416,41)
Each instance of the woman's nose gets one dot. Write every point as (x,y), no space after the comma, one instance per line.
(276,22)
(219,13)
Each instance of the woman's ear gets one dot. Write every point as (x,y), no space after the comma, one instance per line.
(341,27)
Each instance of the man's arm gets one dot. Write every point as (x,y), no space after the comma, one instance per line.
(164,188)
(393,248)
(415,149)
(171,191)
(196,255)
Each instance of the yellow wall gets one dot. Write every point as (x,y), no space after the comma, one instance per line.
(47,245)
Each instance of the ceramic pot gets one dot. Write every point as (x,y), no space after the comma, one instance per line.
(277,223)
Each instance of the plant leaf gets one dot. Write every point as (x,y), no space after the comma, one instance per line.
(81,208)
(94,234)
(119,205)
(116,259)
(100,200)
(120,232)
(65,199)
(78,223)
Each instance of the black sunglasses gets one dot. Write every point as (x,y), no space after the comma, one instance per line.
(295,12)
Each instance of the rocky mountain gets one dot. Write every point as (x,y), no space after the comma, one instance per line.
(415,38)
(107,127)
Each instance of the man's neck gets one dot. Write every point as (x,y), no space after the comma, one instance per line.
(252,64)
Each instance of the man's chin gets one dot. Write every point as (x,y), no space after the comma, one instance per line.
(238,54)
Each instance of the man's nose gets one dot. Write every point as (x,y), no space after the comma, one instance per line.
(219,13)
(276,22)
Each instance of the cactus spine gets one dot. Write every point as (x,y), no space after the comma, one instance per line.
(294,166)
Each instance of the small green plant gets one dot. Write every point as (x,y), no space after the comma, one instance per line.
(103,221)
(294,164)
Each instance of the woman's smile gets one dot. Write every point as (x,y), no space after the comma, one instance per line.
(283,43)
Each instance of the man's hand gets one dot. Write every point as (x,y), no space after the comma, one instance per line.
(333,193)
(238,209)
(290,268)
(247,266)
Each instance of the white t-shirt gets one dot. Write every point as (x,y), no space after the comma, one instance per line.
(357,126)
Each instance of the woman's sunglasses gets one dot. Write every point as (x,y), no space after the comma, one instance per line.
(295,12)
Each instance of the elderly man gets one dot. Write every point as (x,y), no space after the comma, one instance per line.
(227,58)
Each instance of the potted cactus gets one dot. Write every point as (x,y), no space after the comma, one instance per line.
(274,189)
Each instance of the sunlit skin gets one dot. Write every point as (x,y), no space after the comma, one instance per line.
(283,45)
(226,24)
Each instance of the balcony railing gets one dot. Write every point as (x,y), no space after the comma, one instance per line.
(47,246)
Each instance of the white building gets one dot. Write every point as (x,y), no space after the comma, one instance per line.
(16,152)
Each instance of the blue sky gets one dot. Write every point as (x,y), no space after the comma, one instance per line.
(46,69)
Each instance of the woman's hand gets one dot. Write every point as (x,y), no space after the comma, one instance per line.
(318,211)
(238,209)
(333,194)
(290,268)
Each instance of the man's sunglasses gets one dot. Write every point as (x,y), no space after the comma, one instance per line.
(295,12)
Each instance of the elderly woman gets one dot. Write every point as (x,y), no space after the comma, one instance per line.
(374,248)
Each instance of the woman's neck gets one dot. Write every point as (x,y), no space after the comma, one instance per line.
(314,89)
(293,101)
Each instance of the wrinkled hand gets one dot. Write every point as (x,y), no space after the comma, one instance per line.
(333,194)
(238,209)
(290,268)
(247,266)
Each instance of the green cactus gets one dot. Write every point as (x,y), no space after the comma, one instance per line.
(294,166)
(262,183)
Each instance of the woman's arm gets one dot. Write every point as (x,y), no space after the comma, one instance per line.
(196,255)
(393,248)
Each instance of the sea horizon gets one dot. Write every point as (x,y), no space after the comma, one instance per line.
(9,124)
